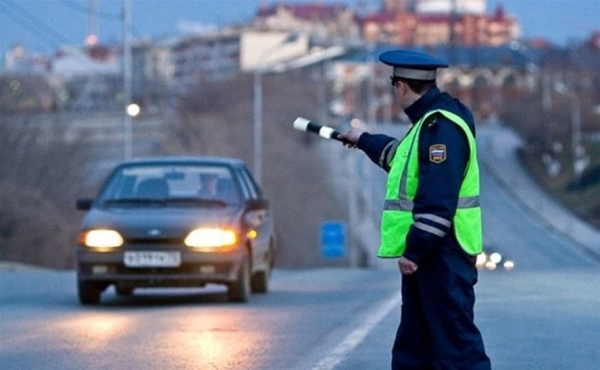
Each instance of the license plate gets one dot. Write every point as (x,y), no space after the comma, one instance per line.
(152,259)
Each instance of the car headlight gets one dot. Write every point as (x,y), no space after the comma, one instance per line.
(211,238)
(101,238)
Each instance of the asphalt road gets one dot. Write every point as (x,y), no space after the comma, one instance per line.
(544,314)
(315,319)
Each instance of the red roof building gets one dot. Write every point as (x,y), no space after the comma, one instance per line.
(411,28)
(397,23)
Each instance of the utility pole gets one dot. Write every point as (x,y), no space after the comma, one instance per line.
(127,129)
(92,37)
(259,71)
(452,32)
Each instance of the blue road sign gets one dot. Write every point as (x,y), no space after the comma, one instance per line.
(333,242)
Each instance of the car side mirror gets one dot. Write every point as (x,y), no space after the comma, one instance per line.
(257,212)
(84,204)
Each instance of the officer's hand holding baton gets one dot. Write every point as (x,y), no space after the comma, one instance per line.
(351,137)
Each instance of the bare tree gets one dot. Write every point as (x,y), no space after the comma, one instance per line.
(216,118)
(39,175)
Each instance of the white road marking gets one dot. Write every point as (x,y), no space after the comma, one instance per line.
(358,335)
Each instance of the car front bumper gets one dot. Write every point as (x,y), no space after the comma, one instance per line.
(195,268)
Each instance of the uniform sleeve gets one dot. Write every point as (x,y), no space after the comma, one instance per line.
(379,148)
(443,157)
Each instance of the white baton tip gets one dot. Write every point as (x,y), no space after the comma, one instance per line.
(301,124)
(326,132)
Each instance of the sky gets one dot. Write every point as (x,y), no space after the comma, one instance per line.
(44,25)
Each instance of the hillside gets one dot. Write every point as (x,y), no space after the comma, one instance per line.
(41,176)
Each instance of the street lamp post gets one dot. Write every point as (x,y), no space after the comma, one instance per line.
(258,123)
(258,106)
(579,160)
(127,129)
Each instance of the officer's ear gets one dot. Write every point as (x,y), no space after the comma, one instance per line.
(401,87)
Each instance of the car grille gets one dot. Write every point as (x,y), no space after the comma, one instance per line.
(154,241)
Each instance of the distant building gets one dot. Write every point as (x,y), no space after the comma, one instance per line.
(153,71)
(594,40)
(437,6)
(324,23)
(399,5)
(265,49)
(405,22)
(92,76)
(95,60)
(200,57)
(451,6)
(435,23)
(482,77)
(18,60)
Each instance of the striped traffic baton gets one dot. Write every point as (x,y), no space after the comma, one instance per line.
(303,124)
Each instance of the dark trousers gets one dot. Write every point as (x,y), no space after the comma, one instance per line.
(437,329)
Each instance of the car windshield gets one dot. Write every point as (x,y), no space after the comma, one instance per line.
(171,184)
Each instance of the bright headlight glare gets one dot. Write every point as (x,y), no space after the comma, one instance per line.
(102,238)
(211,238)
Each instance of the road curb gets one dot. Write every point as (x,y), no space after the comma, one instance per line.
(9,266)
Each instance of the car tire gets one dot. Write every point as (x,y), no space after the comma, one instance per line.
(239,290)
(89,293)
(260,280)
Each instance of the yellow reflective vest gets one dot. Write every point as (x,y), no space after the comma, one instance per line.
(402,185)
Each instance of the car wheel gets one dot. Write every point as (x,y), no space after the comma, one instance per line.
(89,293)
(124,291)
(260,280)
(239,290)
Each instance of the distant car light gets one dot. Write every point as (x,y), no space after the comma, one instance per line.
(496,257)
(211,238)
(101,238)
(490,265)
(509,265)
(481,259)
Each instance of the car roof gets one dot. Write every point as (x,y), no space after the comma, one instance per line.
(207,160)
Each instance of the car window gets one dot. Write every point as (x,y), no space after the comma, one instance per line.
(171,181)
(250,184)
(244,183)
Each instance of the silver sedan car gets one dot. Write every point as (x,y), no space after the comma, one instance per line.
(176,222)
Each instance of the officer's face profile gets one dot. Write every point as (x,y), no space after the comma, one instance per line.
(403,93)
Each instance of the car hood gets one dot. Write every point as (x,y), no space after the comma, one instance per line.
(160,222)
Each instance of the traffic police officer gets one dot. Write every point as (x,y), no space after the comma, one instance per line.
(431,219)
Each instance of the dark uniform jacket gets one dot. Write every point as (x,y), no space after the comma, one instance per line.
(439,183)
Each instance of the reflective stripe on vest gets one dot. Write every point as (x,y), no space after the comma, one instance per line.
(402,186)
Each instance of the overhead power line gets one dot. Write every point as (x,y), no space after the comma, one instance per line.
(35,25)
(83,9)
